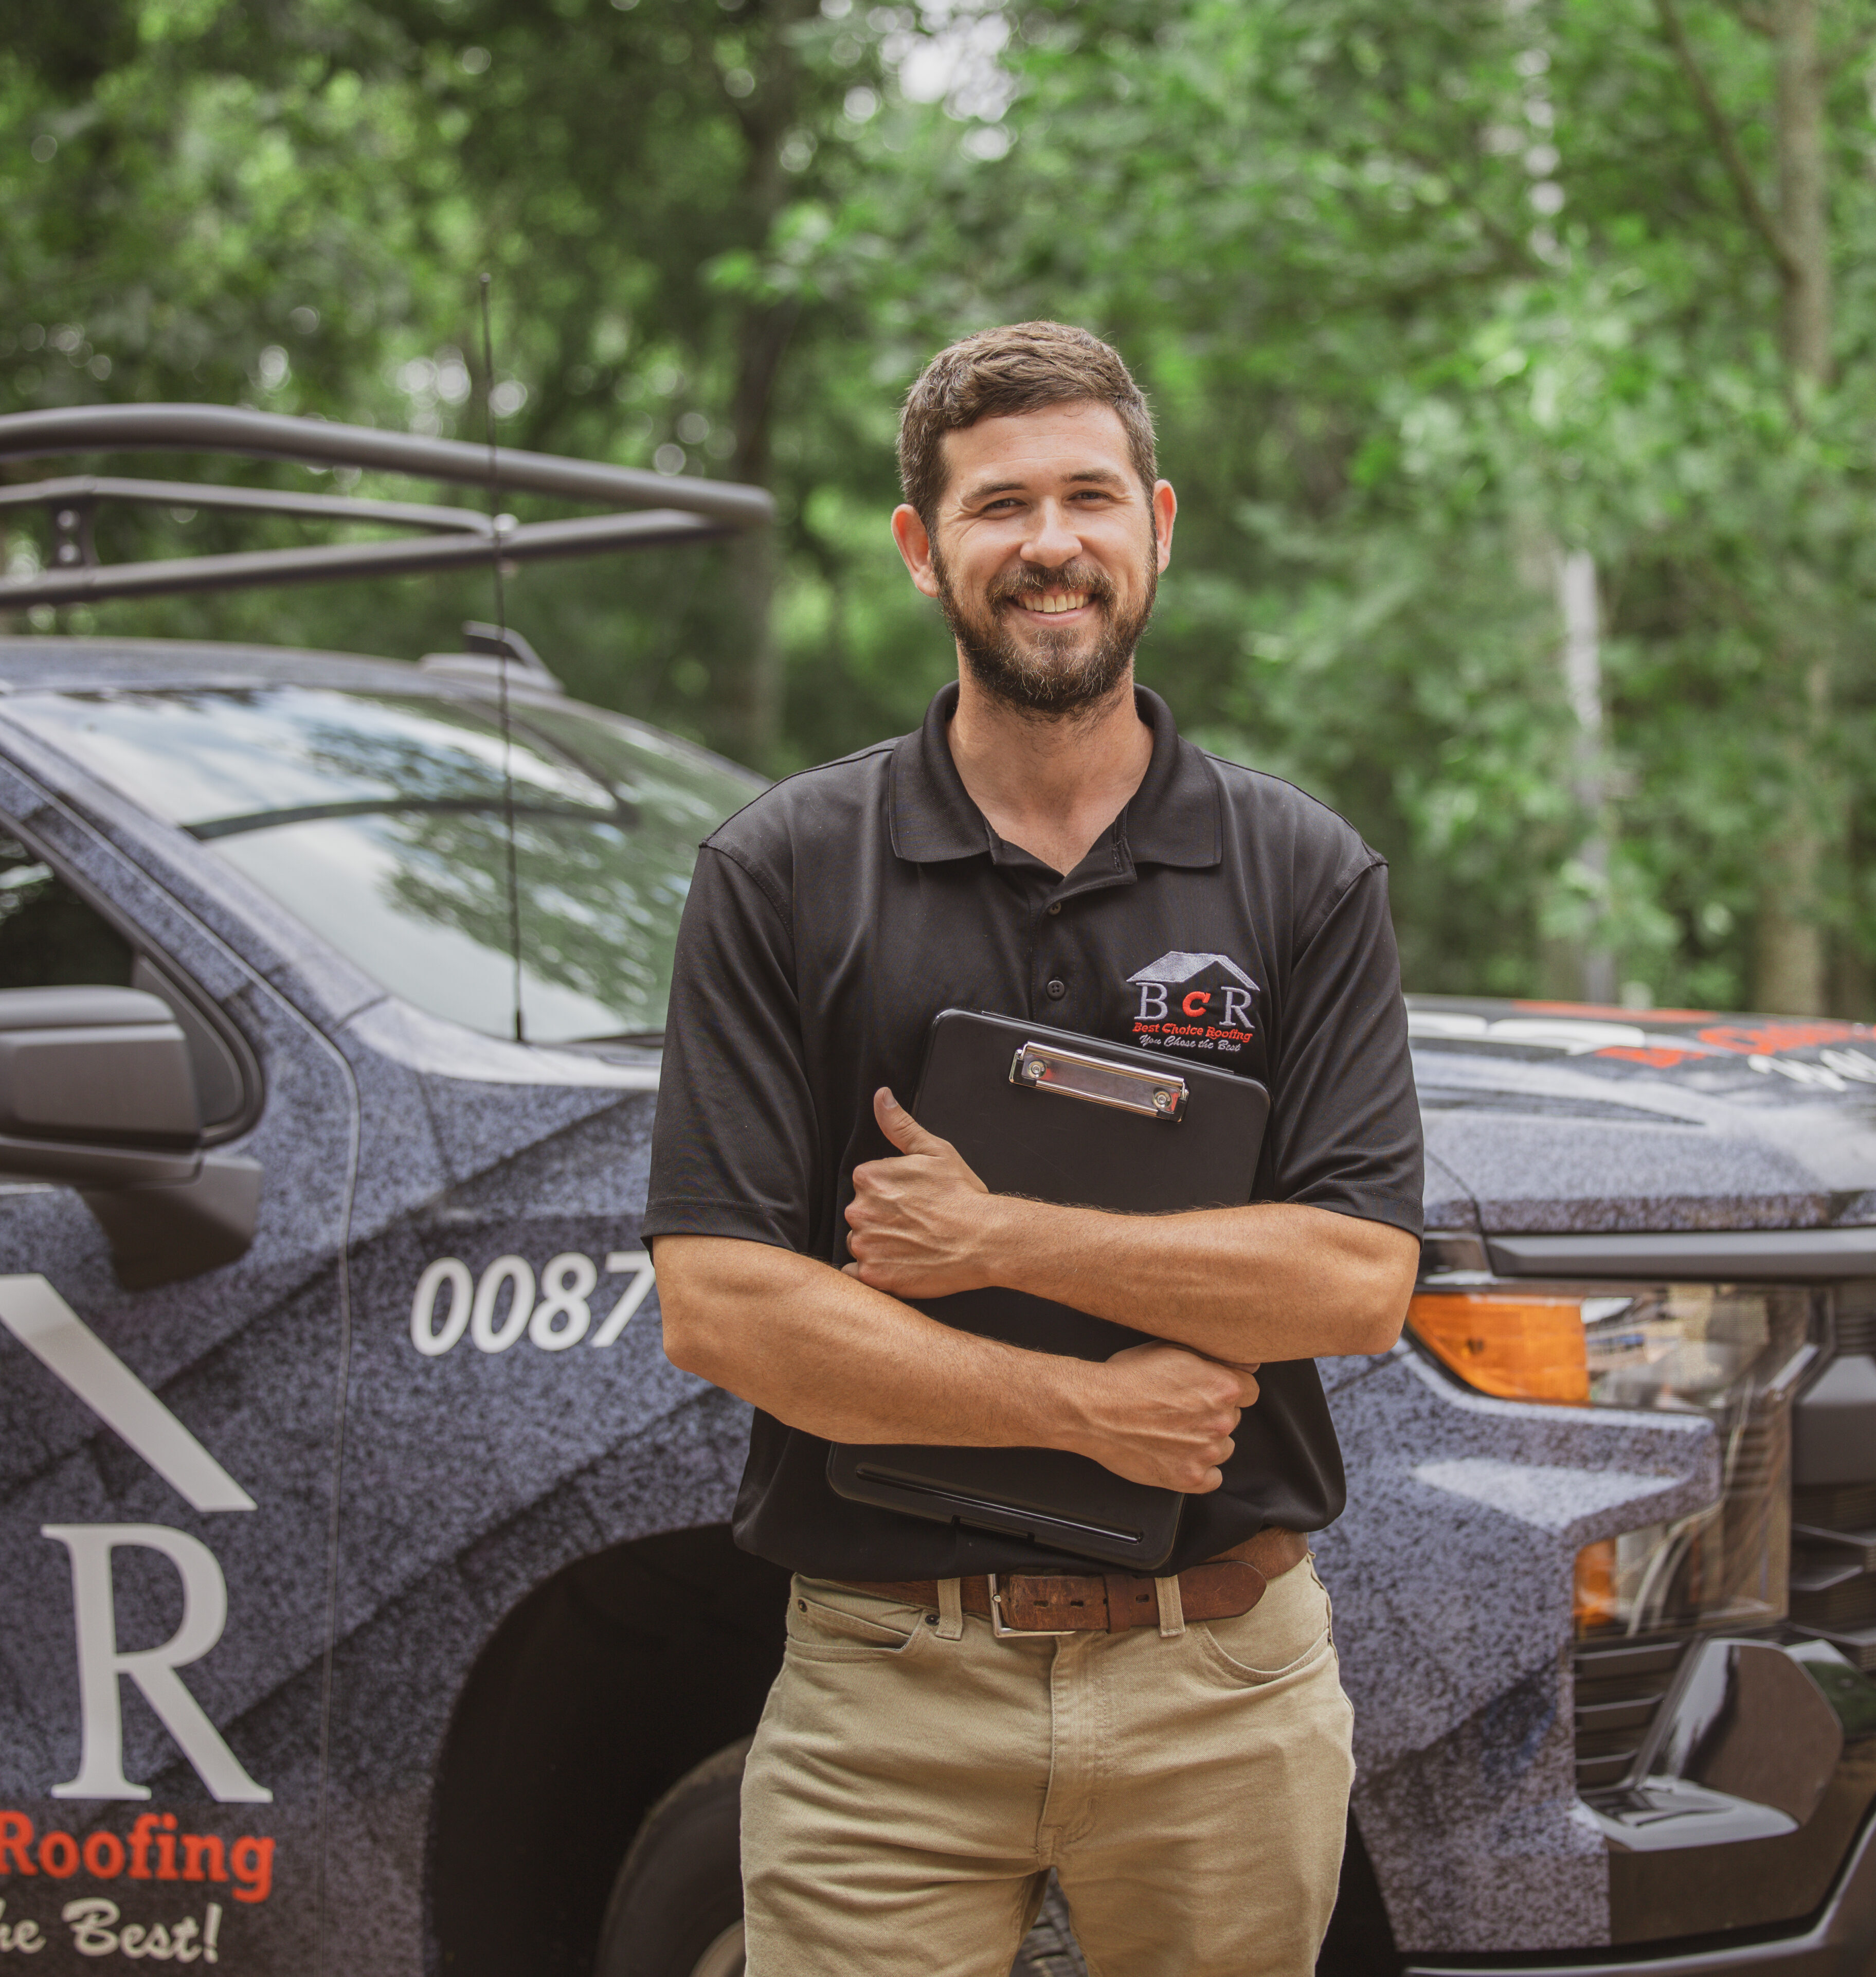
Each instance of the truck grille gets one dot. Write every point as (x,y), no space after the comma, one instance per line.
(1856,1318)
(1618,1689)
(1834,1526)
(1840,1507)
(1834,1568)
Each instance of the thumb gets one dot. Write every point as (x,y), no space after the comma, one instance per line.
(900,1126)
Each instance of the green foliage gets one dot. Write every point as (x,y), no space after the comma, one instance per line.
(1424,297)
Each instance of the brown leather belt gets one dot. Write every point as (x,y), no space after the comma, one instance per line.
(1059,1602)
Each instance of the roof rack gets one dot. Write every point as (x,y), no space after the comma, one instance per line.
(667,509)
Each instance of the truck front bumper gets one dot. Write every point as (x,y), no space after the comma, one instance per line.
(1840,1943)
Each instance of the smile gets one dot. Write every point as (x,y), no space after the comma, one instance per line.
(1053,603)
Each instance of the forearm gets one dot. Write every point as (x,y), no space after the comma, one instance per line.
(823,1352)
(1272,1281)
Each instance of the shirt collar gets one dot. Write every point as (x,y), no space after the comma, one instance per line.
(1173,818)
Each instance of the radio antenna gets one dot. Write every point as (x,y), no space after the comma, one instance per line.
(501,622)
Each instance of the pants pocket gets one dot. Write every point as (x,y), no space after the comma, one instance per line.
(1284,1634)
(830,1623)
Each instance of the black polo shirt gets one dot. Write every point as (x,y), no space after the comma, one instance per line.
(1224,916)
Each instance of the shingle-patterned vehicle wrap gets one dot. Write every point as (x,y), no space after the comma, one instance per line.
(366,1571)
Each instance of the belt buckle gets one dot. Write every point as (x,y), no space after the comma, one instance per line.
(1005,1633)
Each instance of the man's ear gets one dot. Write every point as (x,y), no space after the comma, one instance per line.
(915,541)
(1166,505)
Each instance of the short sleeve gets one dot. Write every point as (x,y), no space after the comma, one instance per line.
(734,1140)
(1345,1121)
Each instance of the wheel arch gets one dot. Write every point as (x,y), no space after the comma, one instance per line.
(599,1690)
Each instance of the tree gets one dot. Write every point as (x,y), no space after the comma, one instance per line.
(1790,969)
(1426,298)
(1420,294)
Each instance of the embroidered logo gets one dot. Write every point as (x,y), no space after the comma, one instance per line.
(1193,1001)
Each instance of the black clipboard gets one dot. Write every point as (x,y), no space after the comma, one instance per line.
(1061,1117)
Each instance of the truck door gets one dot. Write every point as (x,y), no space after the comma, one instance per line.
(172,1364)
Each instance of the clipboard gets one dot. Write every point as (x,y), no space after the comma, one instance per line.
(1061,1117)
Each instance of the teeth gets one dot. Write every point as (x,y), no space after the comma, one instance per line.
(1054,602)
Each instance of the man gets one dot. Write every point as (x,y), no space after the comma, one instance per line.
(1046,846)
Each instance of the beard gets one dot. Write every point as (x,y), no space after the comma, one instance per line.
(1051,674)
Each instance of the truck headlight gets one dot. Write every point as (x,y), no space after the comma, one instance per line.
(1730,1352)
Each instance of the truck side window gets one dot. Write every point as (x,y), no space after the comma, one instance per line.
(49,937)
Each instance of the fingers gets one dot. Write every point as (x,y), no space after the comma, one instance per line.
(901,1128)
(1177,1416)
(1198,1478)
(1244,1374)
(899,1124)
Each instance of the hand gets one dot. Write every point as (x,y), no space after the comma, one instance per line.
(1157,1414)
(913,1222)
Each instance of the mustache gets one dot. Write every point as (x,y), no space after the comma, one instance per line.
(1028,582)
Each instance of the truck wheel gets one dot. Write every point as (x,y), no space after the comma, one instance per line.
(1360,1941)
(677,1907)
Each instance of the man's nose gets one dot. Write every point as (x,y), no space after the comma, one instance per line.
(1055,540)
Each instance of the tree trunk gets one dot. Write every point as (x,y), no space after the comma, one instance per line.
(1805,326)
(763,336)
(765,332)
(1790,972)
(1582,671)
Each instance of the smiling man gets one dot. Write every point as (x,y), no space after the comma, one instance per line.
(1045,846)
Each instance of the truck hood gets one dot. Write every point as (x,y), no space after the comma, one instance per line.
(1563,1116)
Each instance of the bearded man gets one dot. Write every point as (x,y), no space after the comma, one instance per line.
(1044,847)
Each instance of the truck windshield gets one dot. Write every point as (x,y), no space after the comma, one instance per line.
(379,821)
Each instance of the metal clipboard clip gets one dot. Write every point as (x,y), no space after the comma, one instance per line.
(1155,1095)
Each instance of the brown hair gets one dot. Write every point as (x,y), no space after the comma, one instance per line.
(1020,368)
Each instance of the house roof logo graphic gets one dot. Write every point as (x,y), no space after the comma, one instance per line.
(48,1327)
(1172,968)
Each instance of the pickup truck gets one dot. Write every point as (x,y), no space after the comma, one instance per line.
(369,1598)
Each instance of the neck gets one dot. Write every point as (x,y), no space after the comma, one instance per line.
(1050,783)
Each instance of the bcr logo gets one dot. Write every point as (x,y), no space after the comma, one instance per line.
(1156,980)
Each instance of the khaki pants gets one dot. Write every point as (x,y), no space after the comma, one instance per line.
(907,1792)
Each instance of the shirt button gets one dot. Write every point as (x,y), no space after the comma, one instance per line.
(1057,990)
(1057,908)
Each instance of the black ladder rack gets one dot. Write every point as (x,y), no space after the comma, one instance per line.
(662,509)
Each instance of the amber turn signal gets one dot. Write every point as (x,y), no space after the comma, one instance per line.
(1595,1602)
(1516,1347)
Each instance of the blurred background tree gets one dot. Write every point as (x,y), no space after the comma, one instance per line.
(1511,358)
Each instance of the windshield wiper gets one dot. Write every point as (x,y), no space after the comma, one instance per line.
(269,820)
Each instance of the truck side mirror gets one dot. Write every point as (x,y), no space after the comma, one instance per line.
(97,1091)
